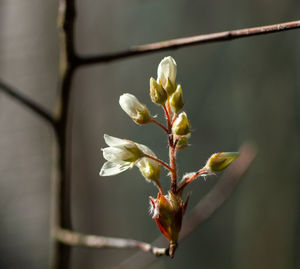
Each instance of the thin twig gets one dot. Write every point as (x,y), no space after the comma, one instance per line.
(206,207)
(160,125)
(27,102)
(188,41)
(159,161)
(189,180)
(76,239)
(168,119)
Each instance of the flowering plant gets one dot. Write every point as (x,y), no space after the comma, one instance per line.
(122,154)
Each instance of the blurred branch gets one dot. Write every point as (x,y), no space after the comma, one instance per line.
(34,107)
(206,207)
(61,215)
(188,41)
(94,241)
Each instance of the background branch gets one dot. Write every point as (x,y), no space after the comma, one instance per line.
(62,188)
(188,41)
(27,102)
(75,239)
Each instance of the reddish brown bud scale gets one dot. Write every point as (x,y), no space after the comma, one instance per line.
(168,213)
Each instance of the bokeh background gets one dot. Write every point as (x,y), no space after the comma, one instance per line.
(244,90)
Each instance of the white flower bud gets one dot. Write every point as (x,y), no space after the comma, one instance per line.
(181,125)
(166,73)
(149,168)
(136,110)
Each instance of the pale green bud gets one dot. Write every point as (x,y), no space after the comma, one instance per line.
(149,169)
(181,125)
(176,100)
(136,110)
(182,142)
(170,87)
(219,161)
(157,93)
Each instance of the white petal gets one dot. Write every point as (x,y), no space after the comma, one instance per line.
(129,103)
(116,155)
(114,141)
(111,169)
(167,68)
(145,149)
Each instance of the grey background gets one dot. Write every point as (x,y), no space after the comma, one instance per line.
(244,90)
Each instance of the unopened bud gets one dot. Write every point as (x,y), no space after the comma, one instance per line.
(181,125)
(149,169)
(157,93)
(166,74)
(170,87)
(176,100)
(219,161)
(182,142)
(136,110)
(168,213)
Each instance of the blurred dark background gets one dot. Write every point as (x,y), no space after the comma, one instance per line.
(244,90)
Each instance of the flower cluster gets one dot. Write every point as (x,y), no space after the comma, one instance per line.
(122,154)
